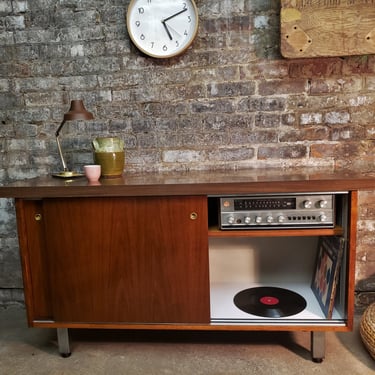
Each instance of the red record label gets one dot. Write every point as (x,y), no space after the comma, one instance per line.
(268,300)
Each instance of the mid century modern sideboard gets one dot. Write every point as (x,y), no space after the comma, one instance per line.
(147,251)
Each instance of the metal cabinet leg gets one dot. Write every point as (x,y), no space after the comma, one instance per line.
(318,346)
(63,342)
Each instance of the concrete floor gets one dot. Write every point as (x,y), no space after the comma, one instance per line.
(34,351)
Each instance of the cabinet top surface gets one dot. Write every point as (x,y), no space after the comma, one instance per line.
(251,181)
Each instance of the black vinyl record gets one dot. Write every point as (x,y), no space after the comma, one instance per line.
(270,302)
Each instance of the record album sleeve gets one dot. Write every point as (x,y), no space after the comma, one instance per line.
(327,270)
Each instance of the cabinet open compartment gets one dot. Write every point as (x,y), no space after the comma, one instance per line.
(238,264)
(242,260)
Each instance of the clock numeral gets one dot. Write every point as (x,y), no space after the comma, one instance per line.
(189,19)
(165,48)
(185,33)
(152,44)
(141,10)
(137,23)
(184,6)
(142,37)
(177,44)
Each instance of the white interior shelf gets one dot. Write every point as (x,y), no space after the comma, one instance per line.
(237,264)
(223,309)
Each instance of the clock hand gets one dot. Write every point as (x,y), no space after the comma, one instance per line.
(174,15)
(167,30)
(174,30)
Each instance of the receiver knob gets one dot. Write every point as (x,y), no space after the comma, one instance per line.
(247,220)
(323,217)
(323,203)
(281,219)
(307,204)
(258,219)
(269,219)
(230,220)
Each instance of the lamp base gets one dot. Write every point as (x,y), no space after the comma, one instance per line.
(67,174)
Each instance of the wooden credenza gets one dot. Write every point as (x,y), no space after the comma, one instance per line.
(139,252)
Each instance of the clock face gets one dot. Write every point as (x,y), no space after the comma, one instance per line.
(162,28)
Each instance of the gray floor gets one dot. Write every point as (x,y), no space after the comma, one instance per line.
(34,351)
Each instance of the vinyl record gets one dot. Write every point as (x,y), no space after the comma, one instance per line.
(270,302)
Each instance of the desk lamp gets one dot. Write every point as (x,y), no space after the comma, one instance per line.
(77,111)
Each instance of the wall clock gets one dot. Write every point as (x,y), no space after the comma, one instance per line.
(162,28)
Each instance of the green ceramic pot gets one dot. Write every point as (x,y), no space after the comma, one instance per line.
(112,163)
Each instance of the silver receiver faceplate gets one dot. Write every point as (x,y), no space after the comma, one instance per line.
(282,211)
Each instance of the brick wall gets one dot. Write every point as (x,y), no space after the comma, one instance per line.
(231,101)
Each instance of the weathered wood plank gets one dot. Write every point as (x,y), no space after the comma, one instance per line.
(312,28)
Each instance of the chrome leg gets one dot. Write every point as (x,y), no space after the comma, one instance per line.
(63,342)
(318,346)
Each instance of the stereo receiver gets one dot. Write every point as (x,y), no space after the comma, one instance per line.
(283,211)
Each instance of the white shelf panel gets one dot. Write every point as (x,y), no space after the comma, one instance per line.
(224,311)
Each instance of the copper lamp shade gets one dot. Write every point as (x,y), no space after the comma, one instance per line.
(77,111)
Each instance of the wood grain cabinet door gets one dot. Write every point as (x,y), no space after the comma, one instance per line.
(128,260)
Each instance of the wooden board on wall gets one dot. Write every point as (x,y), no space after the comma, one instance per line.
(312,28)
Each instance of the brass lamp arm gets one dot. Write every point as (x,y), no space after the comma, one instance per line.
(59,146)
(60,153)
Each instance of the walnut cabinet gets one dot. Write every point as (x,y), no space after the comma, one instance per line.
(139,253)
